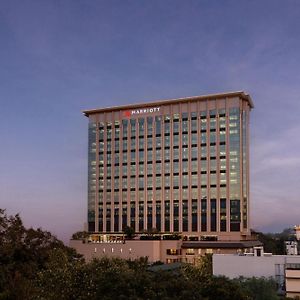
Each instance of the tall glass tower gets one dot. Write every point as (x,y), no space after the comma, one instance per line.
(179,165)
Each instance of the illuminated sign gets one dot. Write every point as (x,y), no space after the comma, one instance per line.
(132,112)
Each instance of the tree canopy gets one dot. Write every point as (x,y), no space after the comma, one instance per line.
(274,242)
(34,264)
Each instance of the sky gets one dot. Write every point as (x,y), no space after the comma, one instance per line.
(58,58)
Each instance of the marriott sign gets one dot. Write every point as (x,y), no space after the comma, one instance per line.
(141,111)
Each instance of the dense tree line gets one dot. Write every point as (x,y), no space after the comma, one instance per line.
(274,242)
(23,254)
(36,265)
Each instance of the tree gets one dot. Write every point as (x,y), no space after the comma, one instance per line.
(274,242)
(80,235)
(202,271)
(223,288)
(60,279)
(23,252)
(259,288)
(36,265)
(129,232)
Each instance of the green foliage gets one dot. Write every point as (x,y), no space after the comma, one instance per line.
(174,236)
(274,242)
(129,232)
(23,252)
(150,234)
(259,288)
(59,280)
(36,265)
(202,272)
(212,287)
(223,288)
(152,237)
(80,235)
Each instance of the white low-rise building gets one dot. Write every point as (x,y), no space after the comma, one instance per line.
(291,247)
(284,269)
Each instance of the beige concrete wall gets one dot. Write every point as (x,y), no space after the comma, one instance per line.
(234,266)
(128,250)
(164,257)
(131,249)
(154,250)
(292,283)
(293,274)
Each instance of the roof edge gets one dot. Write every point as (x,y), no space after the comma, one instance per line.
(241,94)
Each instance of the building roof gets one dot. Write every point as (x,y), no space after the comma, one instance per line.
(240,94)
(166,267)
(221,244)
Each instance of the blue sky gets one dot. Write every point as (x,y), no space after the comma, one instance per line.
(58,58)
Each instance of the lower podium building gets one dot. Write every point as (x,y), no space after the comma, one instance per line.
(175,172)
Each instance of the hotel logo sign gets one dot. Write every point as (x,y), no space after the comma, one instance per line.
(140,111)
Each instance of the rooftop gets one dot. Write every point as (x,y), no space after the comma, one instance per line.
(240,94)
(221,244)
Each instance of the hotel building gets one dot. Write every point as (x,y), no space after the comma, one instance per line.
(179,166)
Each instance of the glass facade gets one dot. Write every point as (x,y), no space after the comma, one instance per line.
(176,172)
(92,188)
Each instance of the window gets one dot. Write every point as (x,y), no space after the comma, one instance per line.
(194,215)
(167,154)
(133,126)
(149,182)
(185,124)
(150,195)
(176,153)
(223,214)
(203,124)
(176,140)
(194,138)
(190,251)
(141,169)
(149,125)
(212,123)
(141,182)
(176,215)
(176,126)
(167,124)
(158,142)
(141,143)
(141,126)
(203,215)
(212,138)
(185,153)
(167,140)
(141,196)
(185,166)
(213,151)
(173,251)
(167,181)
(176,181)
(132,156)
(149,169)
(158,125)
(185,180)
(141,155)
(149,155)
(158,154)
(158,169)
(203,137)
(167,168)
(194,193)
(149,143)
